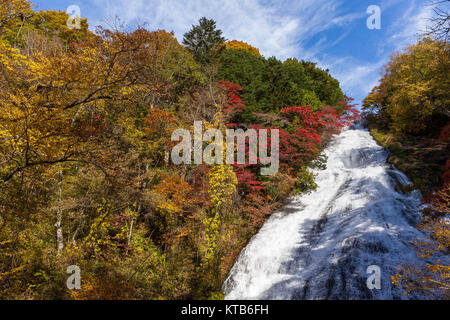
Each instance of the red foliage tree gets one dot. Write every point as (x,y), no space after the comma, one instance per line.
(233,103)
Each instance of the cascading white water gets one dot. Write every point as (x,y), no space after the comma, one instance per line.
(319,246)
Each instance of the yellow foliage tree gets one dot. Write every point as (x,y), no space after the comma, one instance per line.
(222,185)
(240,45)
(415,86)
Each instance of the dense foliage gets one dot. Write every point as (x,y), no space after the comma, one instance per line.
(270,85)
(85,178)
(413,95)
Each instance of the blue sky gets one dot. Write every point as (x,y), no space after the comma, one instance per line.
(332,33)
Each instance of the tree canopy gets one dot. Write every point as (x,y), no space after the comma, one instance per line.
(414,88)
(271,84)
(202,39)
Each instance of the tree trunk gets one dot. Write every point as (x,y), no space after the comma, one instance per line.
(59,217)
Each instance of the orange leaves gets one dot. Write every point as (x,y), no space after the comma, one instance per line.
(158,126)
(159,122)
(174,191)
(240,45)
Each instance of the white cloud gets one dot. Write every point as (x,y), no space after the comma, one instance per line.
(410,25)
(277,28)
(286,28)
(357,77)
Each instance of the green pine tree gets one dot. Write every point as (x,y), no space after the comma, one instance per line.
(202,39)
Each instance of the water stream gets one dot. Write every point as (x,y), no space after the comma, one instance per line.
(319,246)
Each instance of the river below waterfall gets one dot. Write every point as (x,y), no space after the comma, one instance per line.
(319,245)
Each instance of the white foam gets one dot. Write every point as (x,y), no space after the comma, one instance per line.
(320,245)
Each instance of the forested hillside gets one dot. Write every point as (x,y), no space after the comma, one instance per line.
(85,132)
(271,85)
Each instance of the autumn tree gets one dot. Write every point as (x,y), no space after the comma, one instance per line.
(240,45)
(414,87)
(13,13)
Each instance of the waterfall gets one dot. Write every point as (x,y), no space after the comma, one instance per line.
(320,245)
